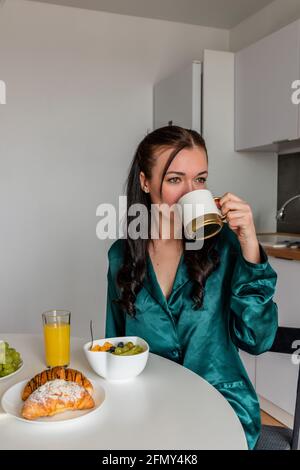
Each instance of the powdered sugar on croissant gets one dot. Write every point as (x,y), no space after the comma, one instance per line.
(54,373)
(56,396)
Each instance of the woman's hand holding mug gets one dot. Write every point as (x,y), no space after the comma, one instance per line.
(240,219)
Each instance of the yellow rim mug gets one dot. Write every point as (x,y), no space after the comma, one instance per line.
(203,219)
(211,224)
(56,326)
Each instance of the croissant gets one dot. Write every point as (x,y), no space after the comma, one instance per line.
(55,397)
(56,373)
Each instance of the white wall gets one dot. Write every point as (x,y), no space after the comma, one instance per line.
(269,19)
(79,99)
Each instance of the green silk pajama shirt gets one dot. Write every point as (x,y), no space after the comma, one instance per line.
(237,313)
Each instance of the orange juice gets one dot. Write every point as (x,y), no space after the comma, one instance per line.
(57,344)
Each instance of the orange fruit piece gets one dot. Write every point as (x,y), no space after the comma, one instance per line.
(106,346)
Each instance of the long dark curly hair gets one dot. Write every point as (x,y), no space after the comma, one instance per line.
(200,263)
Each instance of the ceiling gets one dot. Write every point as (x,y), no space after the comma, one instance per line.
(214,13)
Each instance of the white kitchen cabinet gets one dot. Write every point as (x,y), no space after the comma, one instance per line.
(178,98)
(276,380)
(249,362)
(264,73)
(276,375)
(287,291)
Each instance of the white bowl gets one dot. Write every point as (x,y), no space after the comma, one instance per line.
(113,367)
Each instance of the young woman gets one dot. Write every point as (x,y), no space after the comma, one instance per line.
(195,307)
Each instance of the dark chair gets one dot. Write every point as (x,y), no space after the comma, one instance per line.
(274,437)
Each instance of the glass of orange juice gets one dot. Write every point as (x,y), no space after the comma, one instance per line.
(56,324)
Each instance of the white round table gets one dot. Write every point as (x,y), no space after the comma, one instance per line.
(166,407)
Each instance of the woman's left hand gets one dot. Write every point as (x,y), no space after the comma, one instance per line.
(240,219)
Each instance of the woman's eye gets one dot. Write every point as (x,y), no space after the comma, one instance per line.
(176,179)
(172,180)
(201,180)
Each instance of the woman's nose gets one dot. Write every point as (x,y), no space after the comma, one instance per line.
(190,186)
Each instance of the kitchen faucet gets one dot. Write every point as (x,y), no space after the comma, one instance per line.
(281,212)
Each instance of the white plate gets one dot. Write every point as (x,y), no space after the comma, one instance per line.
(12,404)
(13,373)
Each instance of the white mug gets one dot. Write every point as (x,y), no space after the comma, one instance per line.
(201,217)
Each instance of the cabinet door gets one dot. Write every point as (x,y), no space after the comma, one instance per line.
(264,73)
(276,380)
(249,364)
(276,375)
(177,99)
(287,291)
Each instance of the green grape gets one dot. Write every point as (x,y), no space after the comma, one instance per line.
(15,356)
(8,370)
(135,350)
(117,351)
(8,359)
(12,361)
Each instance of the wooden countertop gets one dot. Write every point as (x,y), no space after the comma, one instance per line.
(284,253)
